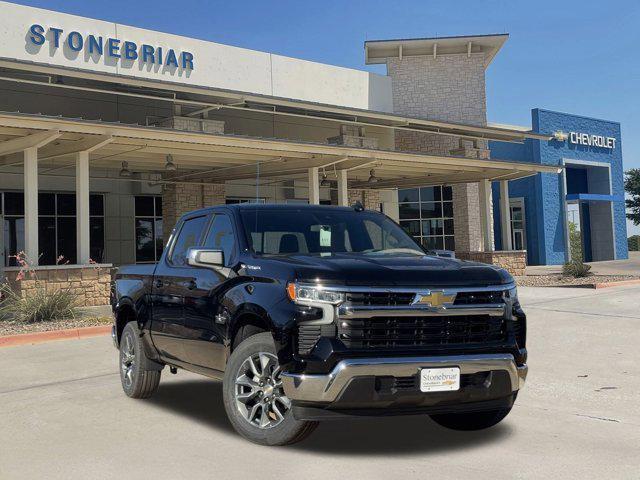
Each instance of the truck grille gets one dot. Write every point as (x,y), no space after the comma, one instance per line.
(479,298)
(424,331)
(379,298)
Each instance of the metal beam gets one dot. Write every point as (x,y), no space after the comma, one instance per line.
(35,140)
(88,144)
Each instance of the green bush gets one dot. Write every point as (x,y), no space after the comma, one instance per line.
(576,269)
(634,243)
(40,306)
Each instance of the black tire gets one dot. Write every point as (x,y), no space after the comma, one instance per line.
(139,376)
(471,421)
(288,430)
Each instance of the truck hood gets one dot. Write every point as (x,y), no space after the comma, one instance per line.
(393,270)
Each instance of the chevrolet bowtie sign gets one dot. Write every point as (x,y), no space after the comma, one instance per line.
(435,298)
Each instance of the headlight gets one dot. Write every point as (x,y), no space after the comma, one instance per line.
(304,294)
(512,294)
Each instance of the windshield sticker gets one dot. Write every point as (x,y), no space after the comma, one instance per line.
(325,236)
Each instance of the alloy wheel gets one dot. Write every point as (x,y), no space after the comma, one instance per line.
(259,395)
(127,360)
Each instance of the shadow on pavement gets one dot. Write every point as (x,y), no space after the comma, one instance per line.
(201,400)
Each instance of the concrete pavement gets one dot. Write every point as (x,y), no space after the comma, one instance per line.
(63,415)
(631,266)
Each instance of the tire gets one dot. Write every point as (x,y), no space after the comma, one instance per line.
(260,412)
(139,376)
(471,421)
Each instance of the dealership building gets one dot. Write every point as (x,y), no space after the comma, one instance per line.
(108,133)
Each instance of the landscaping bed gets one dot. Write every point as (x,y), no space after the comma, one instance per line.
(558,280)
(8,327)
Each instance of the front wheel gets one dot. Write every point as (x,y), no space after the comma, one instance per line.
(253,396)
(471,421)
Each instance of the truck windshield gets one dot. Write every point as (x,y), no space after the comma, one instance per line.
(316,232)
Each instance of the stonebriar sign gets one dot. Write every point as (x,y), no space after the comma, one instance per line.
(115,48)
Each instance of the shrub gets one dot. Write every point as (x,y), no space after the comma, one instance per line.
(576,269)
(38,306)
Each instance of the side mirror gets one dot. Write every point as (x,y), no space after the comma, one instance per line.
(205,258)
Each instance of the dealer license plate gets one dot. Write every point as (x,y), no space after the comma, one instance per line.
(439,379)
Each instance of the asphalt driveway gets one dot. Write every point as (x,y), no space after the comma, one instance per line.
(62,414)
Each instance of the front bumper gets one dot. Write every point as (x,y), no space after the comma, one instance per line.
(326,389)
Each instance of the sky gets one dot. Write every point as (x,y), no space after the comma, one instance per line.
(575,56)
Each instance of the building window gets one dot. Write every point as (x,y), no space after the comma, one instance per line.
(427,214)
(148,223)
(56,227)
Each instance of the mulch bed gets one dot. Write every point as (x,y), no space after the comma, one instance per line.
(16,328)
(562,281)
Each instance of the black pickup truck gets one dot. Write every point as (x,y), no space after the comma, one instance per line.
(309,313)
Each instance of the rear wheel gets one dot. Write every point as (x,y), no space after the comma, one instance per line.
(254,399)
(471,421)
(139,375)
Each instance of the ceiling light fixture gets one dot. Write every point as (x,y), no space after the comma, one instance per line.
(169,165)
(372,177)
(124,171)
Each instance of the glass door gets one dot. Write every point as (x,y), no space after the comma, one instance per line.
(518,232)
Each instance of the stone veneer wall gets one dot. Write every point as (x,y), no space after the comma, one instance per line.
(448,88)
(513,261)
(180,198)
(91,284)
(370,199)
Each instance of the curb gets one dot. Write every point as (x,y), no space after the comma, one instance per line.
(614,284)
(53,335)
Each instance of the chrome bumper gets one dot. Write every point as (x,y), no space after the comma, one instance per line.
(327,387)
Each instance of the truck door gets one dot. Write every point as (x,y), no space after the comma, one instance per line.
(203,340)
(171,279)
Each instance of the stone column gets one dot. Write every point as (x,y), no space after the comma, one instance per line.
(448,88)
(314,186)
(343,193)
(180,198)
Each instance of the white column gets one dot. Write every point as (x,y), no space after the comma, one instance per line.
(505,215)
(82,208)
(314,186)
(31,205)
(343,192)
(484,192)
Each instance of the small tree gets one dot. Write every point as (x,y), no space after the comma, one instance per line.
(632,187)
(575,242)
(634,243)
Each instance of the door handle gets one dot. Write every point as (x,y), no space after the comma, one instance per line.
(159,283)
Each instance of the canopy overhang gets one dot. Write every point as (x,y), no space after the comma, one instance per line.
(217,158)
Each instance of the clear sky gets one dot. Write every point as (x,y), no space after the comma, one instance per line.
(573,56)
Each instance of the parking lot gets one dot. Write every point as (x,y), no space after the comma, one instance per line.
(63,415)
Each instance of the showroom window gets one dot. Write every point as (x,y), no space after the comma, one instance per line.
(56,227)
(148,223)
(427,214)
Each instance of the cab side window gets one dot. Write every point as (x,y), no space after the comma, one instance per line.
(220,236)
(188,237)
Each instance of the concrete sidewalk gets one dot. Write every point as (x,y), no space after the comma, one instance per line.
(63,415)
(631,266)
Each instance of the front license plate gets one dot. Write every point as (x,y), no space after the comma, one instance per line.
(439,379)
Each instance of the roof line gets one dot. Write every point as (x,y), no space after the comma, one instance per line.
(450,37)
(394,121)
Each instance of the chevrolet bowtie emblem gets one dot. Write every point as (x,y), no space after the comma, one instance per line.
(434,299)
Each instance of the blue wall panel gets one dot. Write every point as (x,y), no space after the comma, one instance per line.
(543,194)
